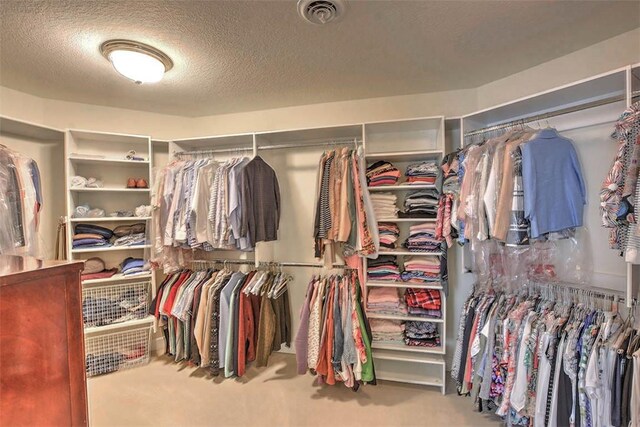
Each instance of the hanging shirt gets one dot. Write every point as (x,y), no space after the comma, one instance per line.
(554,190)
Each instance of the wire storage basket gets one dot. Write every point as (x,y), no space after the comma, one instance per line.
(117,351)
(107,304)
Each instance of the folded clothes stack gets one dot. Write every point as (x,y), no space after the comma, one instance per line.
(383,268)
(422,238)
(423,302)
(387,331)
(130,235)
(384,205)
(94,268)
(421,204)
(382,173)
(422,173)
(423,269)
(85,211)
(389,233)
(385,301)
(91,236)
(134,266)
(82,182)
(421,334)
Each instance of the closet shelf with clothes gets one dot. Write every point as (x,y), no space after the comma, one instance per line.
(111,219)
(79,158)
(405,349)
(146,321)
(118,277)
(402,187)
(404,318)
(373,283)
(110,248)
(410,253)
(404,156)
(109,190)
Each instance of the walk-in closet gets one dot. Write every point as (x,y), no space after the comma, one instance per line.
(333,212)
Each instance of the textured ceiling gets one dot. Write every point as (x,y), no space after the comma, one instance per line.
(235,56)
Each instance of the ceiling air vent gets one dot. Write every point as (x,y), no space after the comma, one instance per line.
(321,12)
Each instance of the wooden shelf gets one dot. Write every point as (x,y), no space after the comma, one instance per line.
(117,278)
(430,358)
(109,190)
(110,249)
(96,160)
(147,321)
(409,253)
(408,378)
(402,187)
(403,285)
(404,318)
(404,155)
(406,219)
(405,348)
(111,219)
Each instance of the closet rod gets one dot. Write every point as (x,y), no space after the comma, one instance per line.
(312,143)
(587,290)
(550,114)
(278,264)
(212,151)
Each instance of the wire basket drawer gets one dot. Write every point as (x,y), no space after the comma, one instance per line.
(104,305)
(117,351)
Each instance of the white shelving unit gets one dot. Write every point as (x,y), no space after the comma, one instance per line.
(404,142)
(103,156)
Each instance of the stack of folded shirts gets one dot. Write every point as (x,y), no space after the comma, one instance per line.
(130,235)
(382,173)
(94,268)
(384,205)
(389,233)
(421,204)
(387,331)
(422,238)
(134,266)
(421,334)
(422,173)
(384,268)
(385,301)
(423,302)
(422,269)
(91,236)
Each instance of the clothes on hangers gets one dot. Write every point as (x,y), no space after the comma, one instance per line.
(539,360)
(515,187)
(338,335)
(223,320)
(208,205)
(619,192)
(21,202)
(344,214)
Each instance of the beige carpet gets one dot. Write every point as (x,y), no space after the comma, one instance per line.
(169,394)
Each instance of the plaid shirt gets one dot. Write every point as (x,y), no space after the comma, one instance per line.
(424,298)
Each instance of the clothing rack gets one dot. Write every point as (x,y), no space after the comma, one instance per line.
(589,291)
(205,263)
(309,143)
(555,113)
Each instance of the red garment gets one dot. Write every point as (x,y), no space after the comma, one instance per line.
(428,299)
(104,274)
(324,366)
(246,325)
(168,304)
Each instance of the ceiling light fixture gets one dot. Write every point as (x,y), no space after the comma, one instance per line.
(136,61)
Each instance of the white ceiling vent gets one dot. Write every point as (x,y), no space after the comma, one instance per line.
(321,12)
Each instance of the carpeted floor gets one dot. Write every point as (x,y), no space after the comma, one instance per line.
(169,394)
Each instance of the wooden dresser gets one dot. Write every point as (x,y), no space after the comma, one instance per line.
(42,367)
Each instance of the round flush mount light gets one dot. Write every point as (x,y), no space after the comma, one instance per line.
(136,61)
